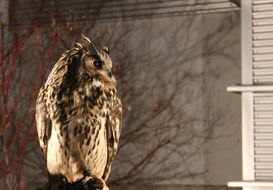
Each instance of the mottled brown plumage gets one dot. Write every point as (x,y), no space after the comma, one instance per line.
(78,115)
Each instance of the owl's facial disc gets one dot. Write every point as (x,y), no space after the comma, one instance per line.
(99,66)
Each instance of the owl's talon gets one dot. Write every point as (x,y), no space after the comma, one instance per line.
(94,183)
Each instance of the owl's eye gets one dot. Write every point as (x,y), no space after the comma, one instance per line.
(97,64)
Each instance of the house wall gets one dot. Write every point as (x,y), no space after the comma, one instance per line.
(202,54)
(224,152)
(4,10)
(217,38)
(207,48)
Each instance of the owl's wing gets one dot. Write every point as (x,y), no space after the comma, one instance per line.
(43,121)
(113,129)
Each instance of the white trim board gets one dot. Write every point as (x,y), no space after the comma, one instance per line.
(250,184)
(249,88)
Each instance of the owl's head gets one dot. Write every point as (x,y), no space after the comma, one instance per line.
(95,61)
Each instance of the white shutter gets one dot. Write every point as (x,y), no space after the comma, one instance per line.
(262,47)
(257,94)
(263,135)
(262,28)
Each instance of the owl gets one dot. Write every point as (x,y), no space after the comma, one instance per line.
(78,116)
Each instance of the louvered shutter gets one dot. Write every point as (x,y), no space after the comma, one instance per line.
(262,15)
(262,22)
(263,135)
(257,94)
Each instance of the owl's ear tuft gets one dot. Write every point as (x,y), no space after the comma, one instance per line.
(78,45)
(88,45)
(105,49)
(85,39)
(86,42)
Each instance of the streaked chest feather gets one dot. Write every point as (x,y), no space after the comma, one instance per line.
(81,115)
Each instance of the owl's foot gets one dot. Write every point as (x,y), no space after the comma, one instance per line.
(94,183)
